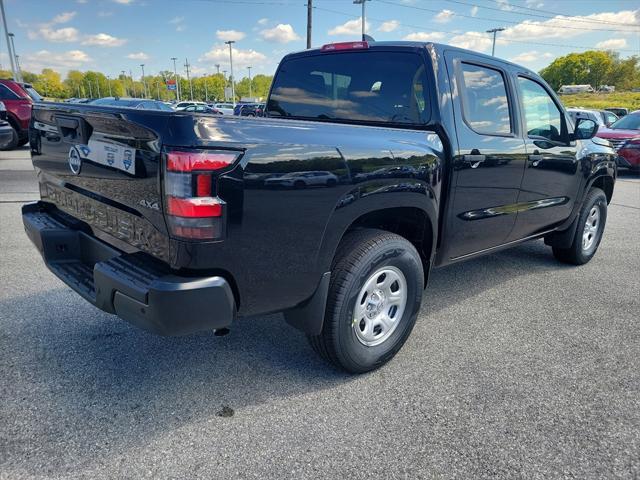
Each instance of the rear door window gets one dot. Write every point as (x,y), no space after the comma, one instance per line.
(485,105)
(7,94)
(365,86)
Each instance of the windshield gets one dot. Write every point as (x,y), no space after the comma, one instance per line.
(630,122)
(35,96)
(363,86)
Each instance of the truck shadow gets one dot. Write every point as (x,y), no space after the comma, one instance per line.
(93,378)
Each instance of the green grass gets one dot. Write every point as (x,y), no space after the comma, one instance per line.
(630,100)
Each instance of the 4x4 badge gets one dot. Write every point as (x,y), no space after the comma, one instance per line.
(75,160)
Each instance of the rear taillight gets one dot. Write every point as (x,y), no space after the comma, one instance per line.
(193,209)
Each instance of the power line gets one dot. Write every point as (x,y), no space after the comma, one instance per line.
(494,20)
(550,15)
(421,27)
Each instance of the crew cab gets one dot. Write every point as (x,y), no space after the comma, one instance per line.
(18,99)
(429,155)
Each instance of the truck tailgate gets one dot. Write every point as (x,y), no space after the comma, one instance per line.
(103,167)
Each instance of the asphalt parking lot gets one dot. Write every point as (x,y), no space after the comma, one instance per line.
(518,367)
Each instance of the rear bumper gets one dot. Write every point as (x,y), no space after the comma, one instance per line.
(134,286)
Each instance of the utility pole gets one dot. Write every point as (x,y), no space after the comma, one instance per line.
(233,87)
(133,84)
(250,90)
(15,56)
(124,84)
(363,19)
(6,33)
(494,31)
(98,87)
(217,69)
(109,84)
(175,75)
(309,22)
(186,66)
(144,84)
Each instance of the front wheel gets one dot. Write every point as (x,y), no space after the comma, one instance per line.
(591,222)
(375,292)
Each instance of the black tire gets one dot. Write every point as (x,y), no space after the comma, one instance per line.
(577,254)
(360,255)
(13,143)
(23,142)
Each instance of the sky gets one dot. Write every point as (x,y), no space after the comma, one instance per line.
(115,35)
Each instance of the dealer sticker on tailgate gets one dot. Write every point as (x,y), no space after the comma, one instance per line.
(109,154)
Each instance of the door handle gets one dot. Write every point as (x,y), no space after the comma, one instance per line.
(475,159)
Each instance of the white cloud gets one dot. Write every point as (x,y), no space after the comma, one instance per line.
(474,10)
(352,27)
(46,59)
(60,35)
(389,26)
(557,27)
(103,40)
(124,2)
(176,20)
(233,35)
(281,33)
(63,17)
(444,16)
(612,44)
(504,5)
(424,36)
(534,3)
(138,56)
(241,58)
(477,41)
(263,21)
(531,56)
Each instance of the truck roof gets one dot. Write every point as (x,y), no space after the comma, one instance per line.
(439,47)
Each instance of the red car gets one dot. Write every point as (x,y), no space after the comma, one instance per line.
(18,99)
(624,136)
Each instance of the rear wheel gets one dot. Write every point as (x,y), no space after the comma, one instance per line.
(376,287)
(13,143)
(591,223)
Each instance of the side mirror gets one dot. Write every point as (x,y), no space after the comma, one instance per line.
(585,129)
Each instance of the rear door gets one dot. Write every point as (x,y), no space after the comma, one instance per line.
(489,163)
(550,182)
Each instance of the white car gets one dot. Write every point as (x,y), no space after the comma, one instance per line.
(183,105)
(303,179)
(225,108)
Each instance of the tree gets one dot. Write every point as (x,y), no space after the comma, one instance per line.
(49,84)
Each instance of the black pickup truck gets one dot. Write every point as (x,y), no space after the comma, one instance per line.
(376,163)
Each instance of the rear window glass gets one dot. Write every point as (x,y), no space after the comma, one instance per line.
(484,100)
(354,86)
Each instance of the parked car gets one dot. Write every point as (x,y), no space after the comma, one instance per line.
(249,109)
(6,132)
(624,136)
(146,214)
(201,109)
(603,118)
(140,103)
(619,111)
(303,179)
(183,105)
(18,99)
(225,108)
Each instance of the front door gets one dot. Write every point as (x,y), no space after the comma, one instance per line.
(489,163)
(551,182)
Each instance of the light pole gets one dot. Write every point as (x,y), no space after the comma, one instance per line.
(133,83)
(109,84)
(17,72)
(124,83)
(186,66)
(175,75)
(206,93)
(98,87)
(144,84)
(250,90)
(362,2)
(233,87)
(494,31)
(217,69)
(6,32)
